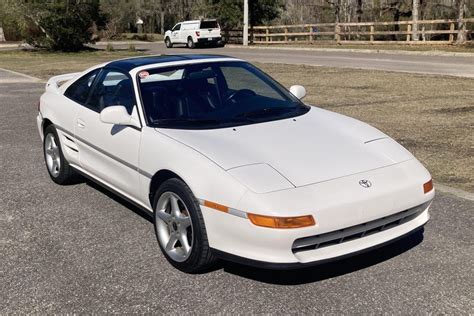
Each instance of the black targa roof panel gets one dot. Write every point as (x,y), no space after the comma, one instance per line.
(131,63)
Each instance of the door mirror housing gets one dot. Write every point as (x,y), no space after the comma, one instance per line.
(298,91)
(118,115)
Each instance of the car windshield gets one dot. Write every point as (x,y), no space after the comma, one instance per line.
(214,95)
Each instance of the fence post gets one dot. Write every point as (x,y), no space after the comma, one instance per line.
(337,29)
(408,32)
(462,32)
(286,36)
(372,30)
(267,31)
(451,35)
(310,33)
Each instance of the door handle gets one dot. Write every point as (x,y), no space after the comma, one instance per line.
(81,123)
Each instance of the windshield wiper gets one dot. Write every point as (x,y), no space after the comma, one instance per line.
(186,120)
(266,111)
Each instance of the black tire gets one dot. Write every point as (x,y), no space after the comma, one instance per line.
(190,43)
(168,43)
(66,174)
(200,258)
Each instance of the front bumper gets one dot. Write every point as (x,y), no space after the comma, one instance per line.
(299,265)
(336,205)
(39,123)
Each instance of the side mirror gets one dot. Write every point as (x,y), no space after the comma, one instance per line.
(298,91)
(118,115)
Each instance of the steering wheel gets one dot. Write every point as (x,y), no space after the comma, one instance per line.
(238,93)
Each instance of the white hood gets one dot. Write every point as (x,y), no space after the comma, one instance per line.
(311,148)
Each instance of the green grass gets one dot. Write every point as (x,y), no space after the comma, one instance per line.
(432,116)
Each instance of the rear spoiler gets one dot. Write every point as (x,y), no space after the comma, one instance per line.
(55,82)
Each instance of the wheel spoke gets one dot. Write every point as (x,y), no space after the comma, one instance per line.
(171,242)
(174,206)
(184,221)
(55,165)
(165,217)
(183,239)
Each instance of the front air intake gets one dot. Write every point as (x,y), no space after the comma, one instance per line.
(357,231)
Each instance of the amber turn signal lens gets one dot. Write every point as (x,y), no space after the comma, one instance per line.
(281,222)
(216,206)
(428,186)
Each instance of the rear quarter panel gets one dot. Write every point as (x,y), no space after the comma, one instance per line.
(62,112)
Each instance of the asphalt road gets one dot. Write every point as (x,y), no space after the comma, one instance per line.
(425,64)
(80,249)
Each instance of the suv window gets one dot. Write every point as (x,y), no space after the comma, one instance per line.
(79,90)
(209,25)
(113,88)
(177,27)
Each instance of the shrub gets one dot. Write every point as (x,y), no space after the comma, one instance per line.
(109,47)
(58,25)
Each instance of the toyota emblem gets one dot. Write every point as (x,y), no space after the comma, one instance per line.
(365,183)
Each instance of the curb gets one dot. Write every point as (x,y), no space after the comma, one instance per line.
(30,78)
(354,50)
(102,43)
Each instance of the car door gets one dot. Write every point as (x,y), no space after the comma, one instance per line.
(69,104)
(107,151)
(175,33)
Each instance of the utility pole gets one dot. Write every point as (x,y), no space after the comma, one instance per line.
(415,8)
(246,23)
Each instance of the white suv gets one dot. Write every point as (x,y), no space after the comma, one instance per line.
(192,33)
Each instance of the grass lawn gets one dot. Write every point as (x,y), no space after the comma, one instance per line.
(433,116)
(44,65)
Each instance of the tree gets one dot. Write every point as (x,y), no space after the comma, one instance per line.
(57,25)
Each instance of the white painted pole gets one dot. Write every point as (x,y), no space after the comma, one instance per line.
(246,23)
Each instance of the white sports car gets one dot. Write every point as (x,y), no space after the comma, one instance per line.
(231,164)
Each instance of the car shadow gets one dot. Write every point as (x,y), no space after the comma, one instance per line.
(326,270)
(137,210)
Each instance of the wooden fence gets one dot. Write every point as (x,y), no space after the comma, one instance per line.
(402,32)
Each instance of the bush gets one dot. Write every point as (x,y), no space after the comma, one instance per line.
(62,25)
(109,47)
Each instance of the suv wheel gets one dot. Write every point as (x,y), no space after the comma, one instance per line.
(179,227)
(168,43)
(190,43)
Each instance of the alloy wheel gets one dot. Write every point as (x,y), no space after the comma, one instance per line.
(52,156)
(174,226)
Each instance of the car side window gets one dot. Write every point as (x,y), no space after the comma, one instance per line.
(80,89)
(177,27)
(113,88)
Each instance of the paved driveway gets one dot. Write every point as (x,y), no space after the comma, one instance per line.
(81,249)
(426,64)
